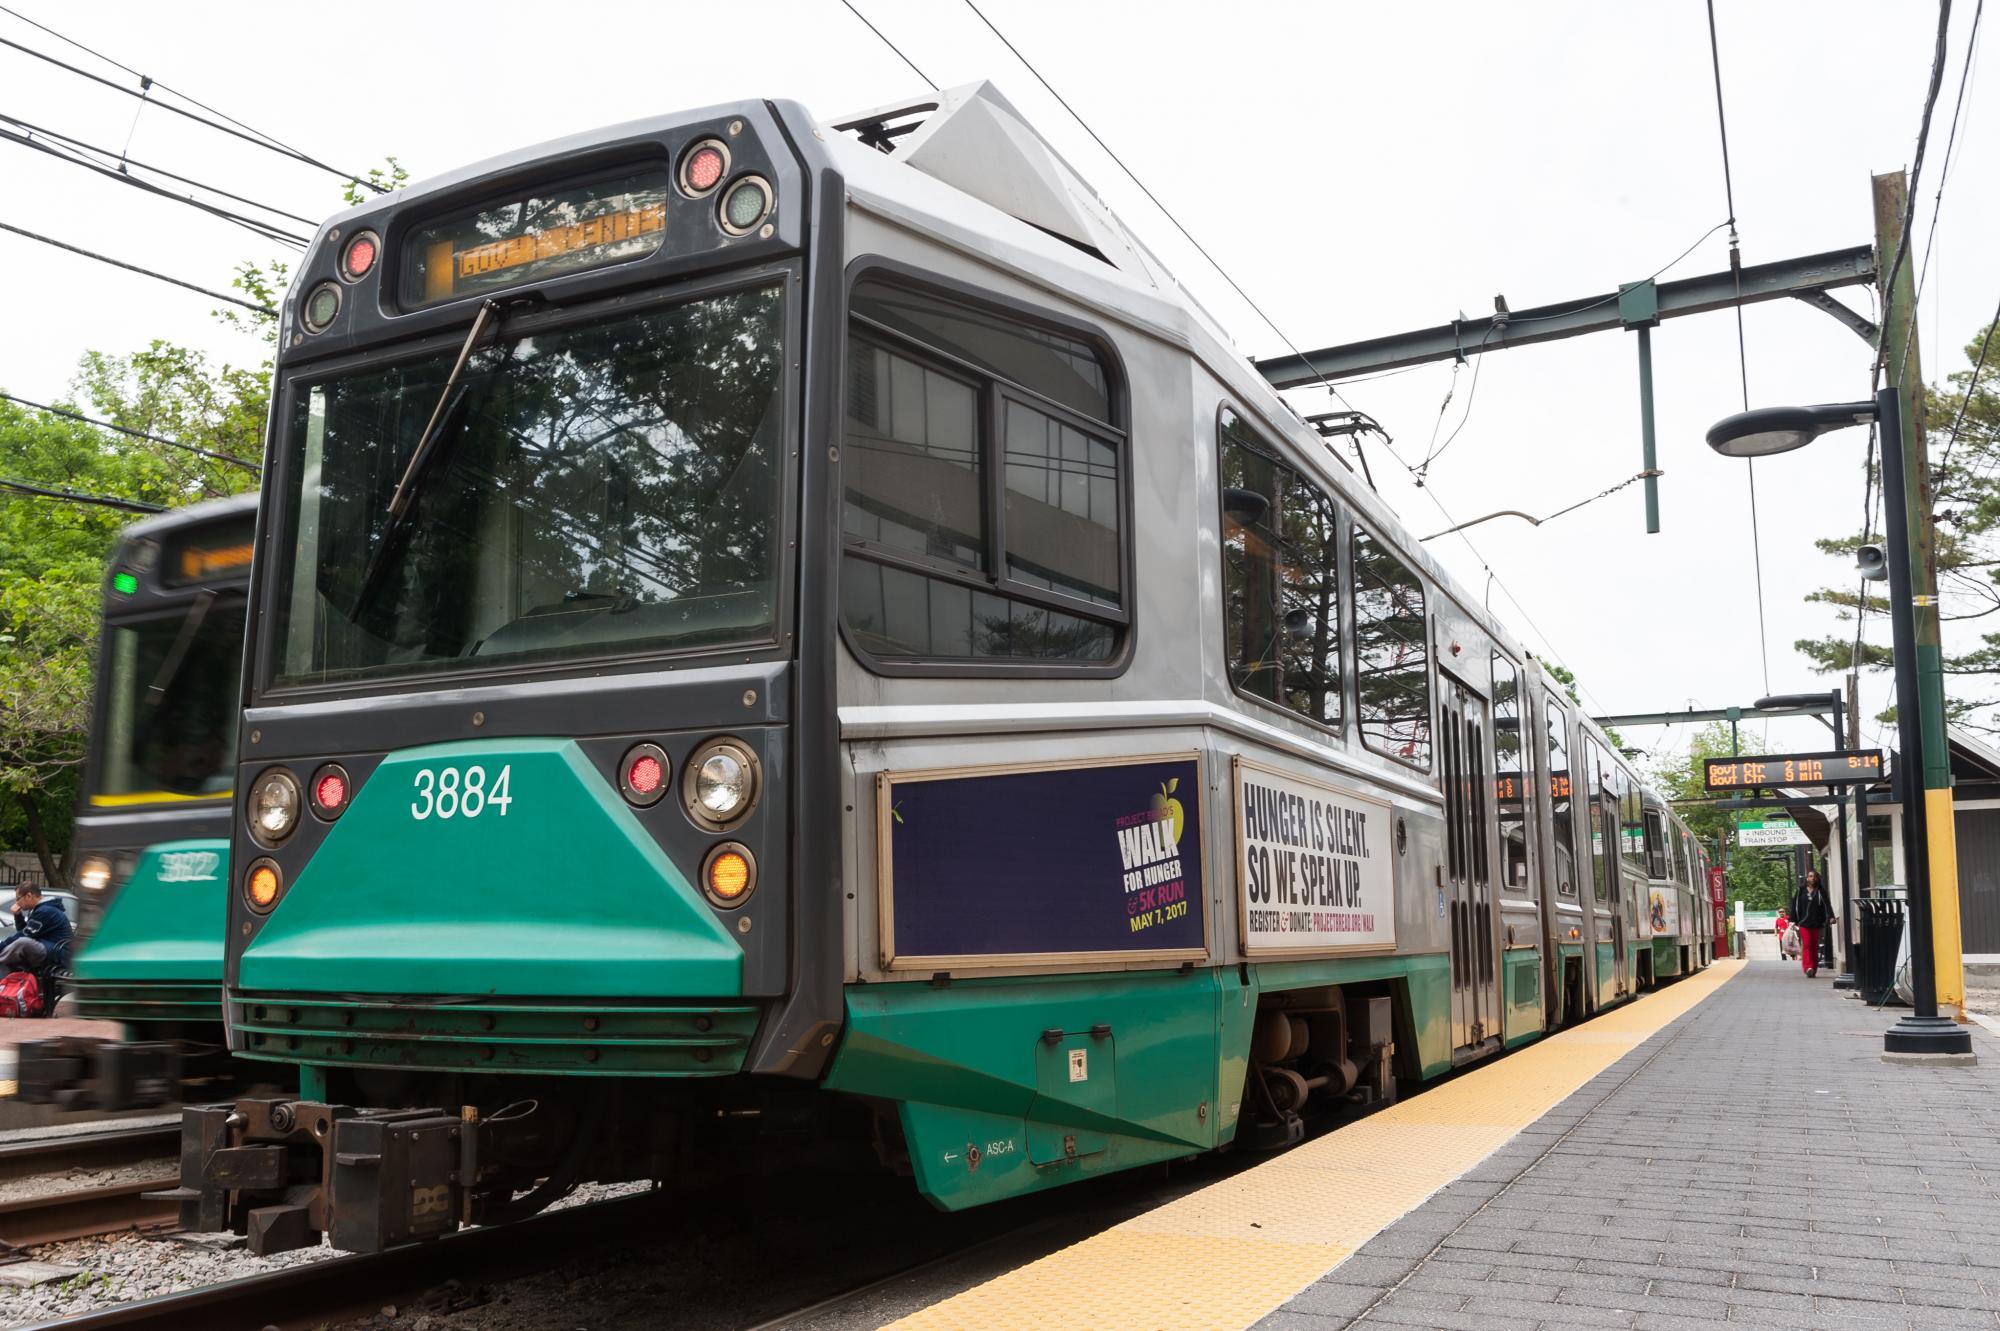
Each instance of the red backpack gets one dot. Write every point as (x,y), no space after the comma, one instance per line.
(21,995)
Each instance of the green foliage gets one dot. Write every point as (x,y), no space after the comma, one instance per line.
(1566,677)
(1759,881)
(53,553)
(1965,480)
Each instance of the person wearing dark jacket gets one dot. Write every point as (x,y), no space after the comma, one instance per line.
(1811,912)
(42,933)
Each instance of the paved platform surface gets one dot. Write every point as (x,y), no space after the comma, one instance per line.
(1755,1164)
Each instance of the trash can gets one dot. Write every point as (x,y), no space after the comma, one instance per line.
(1882,922)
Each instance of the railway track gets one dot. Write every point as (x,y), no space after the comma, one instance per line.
(446,1274)
(83,1213)
(107,1149)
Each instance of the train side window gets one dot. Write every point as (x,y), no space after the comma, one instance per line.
(1603,810)
(1513,787)
(1657,852)
(984,475)
(1392,654)
(1280,578)
(1631,823)
(1560,814)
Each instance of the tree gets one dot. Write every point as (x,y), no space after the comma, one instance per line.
(1963,436)
(53,551)
(1759,881)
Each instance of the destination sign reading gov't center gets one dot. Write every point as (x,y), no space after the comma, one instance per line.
(1839,768)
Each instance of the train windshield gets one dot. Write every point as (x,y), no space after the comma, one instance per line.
(169,724)
(601,489)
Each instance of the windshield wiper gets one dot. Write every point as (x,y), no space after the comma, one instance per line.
(403,502)
(170,667)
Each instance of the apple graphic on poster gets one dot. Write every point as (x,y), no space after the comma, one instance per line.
(1165,803)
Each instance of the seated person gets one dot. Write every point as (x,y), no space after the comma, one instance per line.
(42,934)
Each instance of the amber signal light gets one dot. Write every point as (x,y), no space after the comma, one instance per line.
(729,874)
(262,885)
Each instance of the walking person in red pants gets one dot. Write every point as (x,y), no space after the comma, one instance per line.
(1811,912)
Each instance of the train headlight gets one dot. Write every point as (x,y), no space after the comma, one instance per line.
(274,806)
(261,886)
(94,874)
(729,874)
(720,784)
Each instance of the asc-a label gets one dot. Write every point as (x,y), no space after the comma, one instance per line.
(1315,864)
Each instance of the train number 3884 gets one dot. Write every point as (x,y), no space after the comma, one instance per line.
(448,792)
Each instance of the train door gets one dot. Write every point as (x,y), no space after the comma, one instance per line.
(1468,787)
(1563,898)
(1607,885)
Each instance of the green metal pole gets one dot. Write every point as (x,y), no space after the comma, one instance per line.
(1648,446)
(1903,370)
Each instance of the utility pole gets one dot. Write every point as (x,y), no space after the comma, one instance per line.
(1903,369)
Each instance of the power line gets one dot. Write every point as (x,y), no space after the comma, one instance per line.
(251,224)
(1971,387)
(135,268)
(126,160)
(260,140)
(79,497)
(1944,170)
(148,81)
(1742,349)
(1154,198)
(1916,174)
(891,45)
(136,434)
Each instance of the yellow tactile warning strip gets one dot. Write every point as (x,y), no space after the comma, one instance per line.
(1227,1255)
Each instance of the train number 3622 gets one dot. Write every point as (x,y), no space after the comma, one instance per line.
(446,792)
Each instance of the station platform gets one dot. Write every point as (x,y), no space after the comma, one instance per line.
(1729,1151)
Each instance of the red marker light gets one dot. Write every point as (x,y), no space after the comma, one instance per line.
(361,254)
(330,789)
(703,167)
(642,774)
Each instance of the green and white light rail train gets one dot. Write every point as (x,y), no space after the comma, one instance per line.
(771,636)
(152,836)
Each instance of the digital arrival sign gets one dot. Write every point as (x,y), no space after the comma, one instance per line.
(1315,864)
(1842,767)
(1053,863)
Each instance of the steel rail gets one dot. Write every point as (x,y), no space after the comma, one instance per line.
(316,1294)
(89,1150)
(84,1213)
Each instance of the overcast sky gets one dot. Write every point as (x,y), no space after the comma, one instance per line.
(1358,169)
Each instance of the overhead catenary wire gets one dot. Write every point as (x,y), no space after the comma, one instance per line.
(1742,347)
(125,160)
(251,224)
(147,81)
(1944,170)
(78,497)
(1971,387)
(1938,54)
(79,417)
(1154,199)
(255,137)
(135,268)
(928,80)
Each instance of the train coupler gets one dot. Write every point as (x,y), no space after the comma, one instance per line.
(82,1072)
(284,1173)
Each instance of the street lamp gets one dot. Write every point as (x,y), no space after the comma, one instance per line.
(1769,430)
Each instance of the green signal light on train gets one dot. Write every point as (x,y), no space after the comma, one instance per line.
(124,583)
